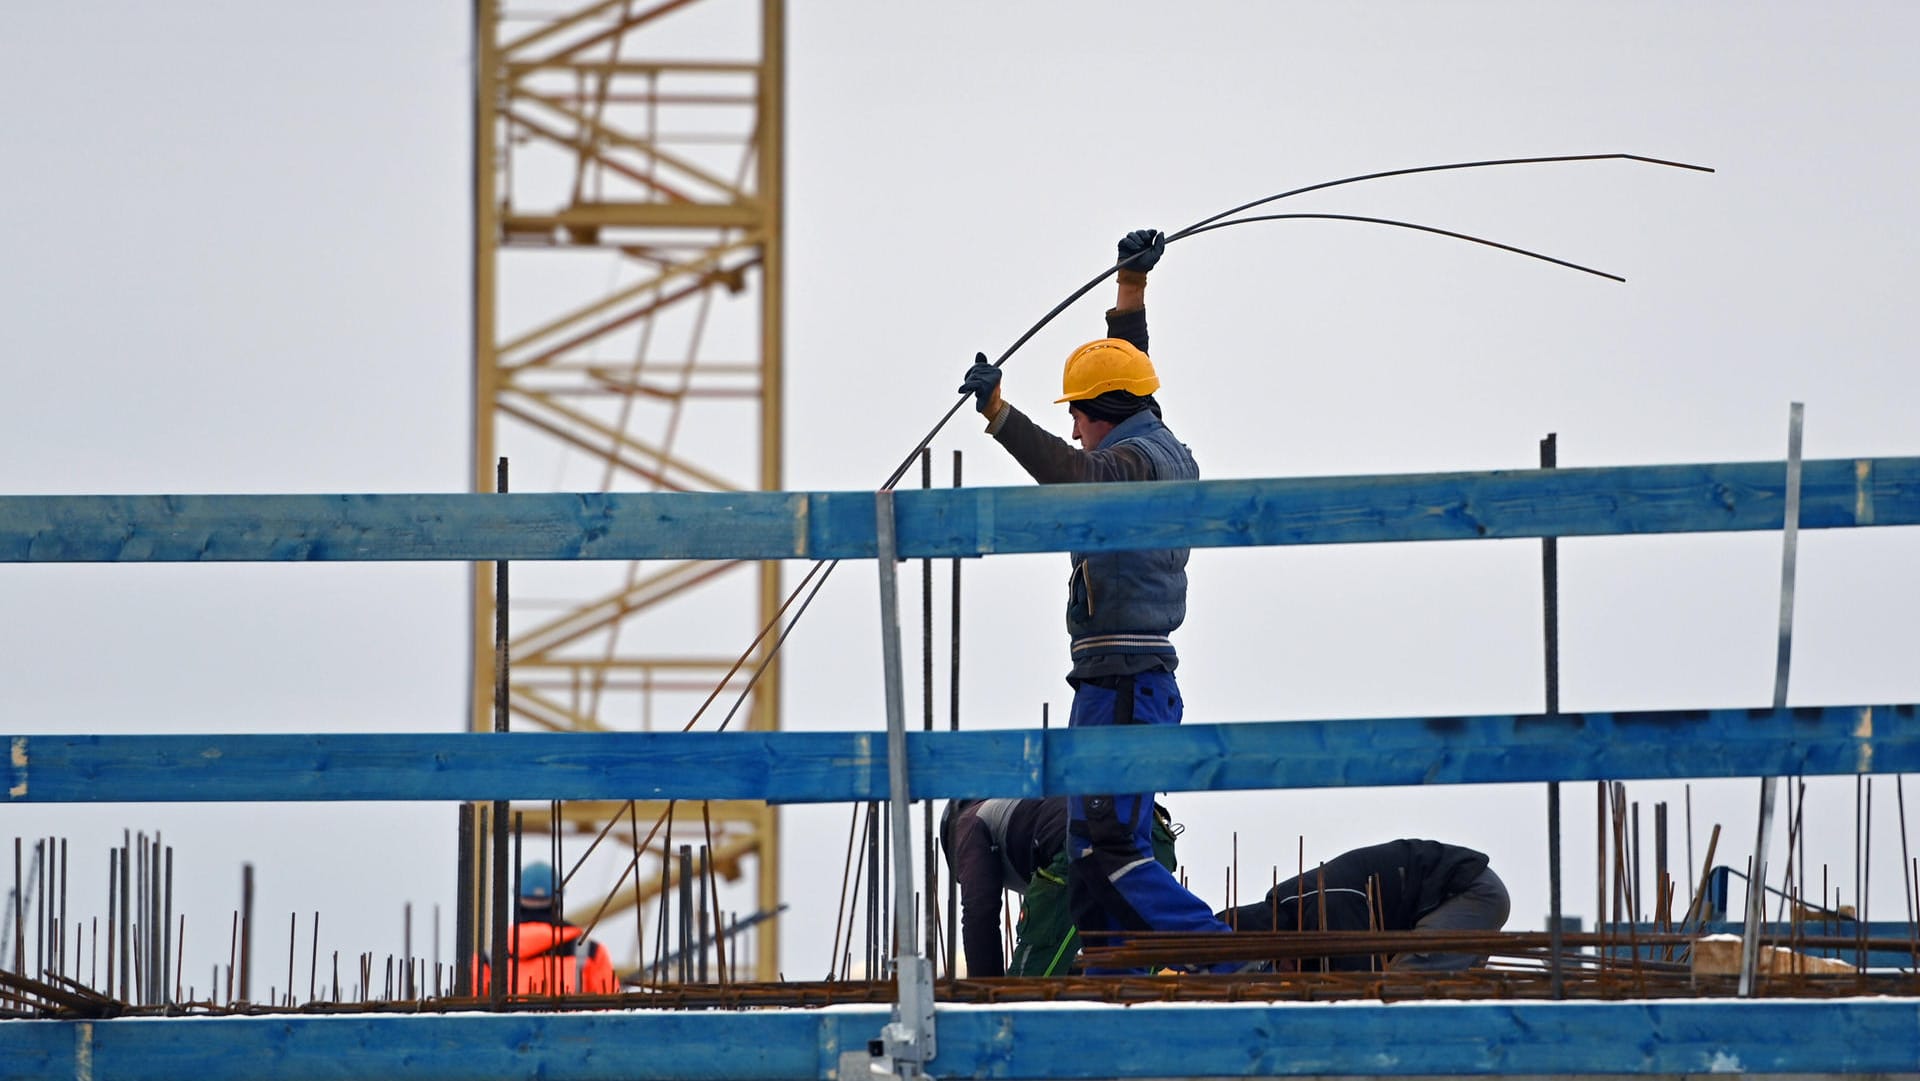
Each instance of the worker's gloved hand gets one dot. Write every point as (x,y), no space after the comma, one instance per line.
(983,382)
(1144,247)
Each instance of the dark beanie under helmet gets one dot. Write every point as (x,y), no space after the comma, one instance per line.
(1117,405)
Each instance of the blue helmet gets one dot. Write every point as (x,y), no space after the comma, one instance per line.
(536,885)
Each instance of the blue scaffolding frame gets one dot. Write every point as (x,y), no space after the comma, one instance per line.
(1049,1041)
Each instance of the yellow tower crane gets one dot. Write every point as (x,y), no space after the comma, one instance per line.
(627,336)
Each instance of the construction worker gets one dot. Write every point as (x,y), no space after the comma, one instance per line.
(1020,844)
(1121,606)
(1397,886)
(550,955)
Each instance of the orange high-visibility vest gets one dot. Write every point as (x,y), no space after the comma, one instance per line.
(540,970)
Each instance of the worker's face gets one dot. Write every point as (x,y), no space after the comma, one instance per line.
(1087,431)
(1080,433)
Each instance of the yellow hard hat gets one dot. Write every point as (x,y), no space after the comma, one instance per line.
(1103,365)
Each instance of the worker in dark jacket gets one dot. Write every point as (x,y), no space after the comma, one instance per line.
(1121,606)
(1398,886)
(996,845)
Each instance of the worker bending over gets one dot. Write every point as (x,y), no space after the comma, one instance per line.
(1405,885)
(1121,606)
(1019,844)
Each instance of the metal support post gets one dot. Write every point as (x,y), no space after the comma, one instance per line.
(907,1043)
(1550,607)
(1790,536)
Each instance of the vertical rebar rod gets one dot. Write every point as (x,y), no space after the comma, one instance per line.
(166,922)
(20,911)
(1550,618)
(1662,909)
(1634,911)
(1900,805)
(127,991)
(293,936)
(1861,864)
(666,863)
(1793,834)
(1790,535)
(406,950)
(1866,877)
(1618,806)
(889,913)
(76,949)
(1600,859)
(40,849)
(142,967)
(499,985)
(872,961)
(639,905)
(711,882)
(700,917)
(1687,795)
(464,953)
(931,884)
(233,948)
(1800,851)
(842,911)
(686,914)
(555,859)
(953,724)
(113,918)
(246,932)
(156,938)
(509,965)
(313,957)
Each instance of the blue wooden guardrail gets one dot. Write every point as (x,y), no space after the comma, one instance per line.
(1048,1041)
(1053,1041)
(799,767)
(939,523)
(1907,957)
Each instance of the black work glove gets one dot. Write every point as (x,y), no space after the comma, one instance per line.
(1144,247)
(983,382)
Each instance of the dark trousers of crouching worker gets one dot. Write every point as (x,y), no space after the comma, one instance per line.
(1113,881)
(1482,906)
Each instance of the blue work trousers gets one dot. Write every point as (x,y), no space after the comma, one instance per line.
(1113,881)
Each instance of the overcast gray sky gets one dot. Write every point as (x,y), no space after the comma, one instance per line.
(237,261)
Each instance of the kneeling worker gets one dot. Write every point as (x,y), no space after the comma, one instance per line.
(1413,885)
(550,955)
(1019,845)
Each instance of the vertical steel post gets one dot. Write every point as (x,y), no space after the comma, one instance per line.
(166,924)
(502,912)
(909,1039)
(1790,537)
(686,914)
(463,944)
(246,932)
(1550,607)
(931,887)
(953,724)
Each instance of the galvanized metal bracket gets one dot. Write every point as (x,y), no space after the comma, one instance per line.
(906,1044)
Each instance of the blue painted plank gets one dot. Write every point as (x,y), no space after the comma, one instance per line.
(963,522)
(847,766)
(781,767)
(1823,740)
(1057,1041)
(1876,930)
